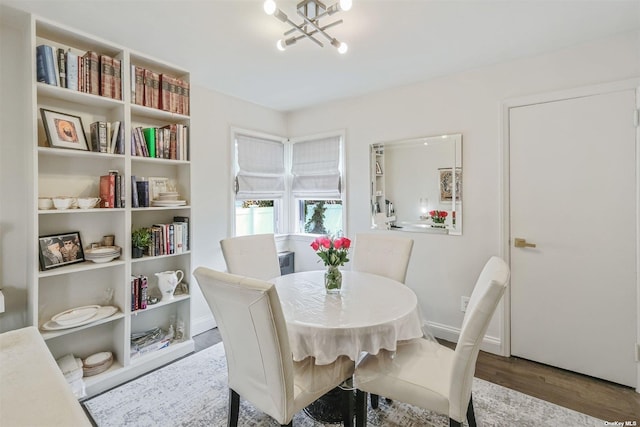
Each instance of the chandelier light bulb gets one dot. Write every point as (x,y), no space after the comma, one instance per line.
(346,4)
(343,48)
(281,45)
(269,7)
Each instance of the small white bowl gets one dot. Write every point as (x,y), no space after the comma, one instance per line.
(87,202)
(62,202)
(45,203)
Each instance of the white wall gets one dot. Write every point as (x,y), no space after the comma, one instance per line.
(443,268)
(212,116)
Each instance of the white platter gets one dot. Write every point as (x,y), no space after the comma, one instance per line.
(165,203)
(76,315)
(102,313)
(102,251)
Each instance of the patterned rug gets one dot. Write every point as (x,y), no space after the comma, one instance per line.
(193,392)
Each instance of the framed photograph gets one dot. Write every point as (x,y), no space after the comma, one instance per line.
(445,181)
(64,130)
(57,250)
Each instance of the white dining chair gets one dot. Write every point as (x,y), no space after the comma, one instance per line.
(252,256)
(259,359)
(429,375)
(382,254)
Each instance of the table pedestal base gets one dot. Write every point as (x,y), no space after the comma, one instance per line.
(327,409)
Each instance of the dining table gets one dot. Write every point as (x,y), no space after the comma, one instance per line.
(370,313)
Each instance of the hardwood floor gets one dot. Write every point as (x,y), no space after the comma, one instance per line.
(601,399)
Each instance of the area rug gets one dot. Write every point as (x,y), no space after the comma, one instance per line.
(193,392)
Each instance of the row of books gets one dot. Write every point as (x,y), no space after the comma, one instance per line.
(166,142)
(107,137)
(139,287)
(160,91)
(89,72)
(112,190)
(171,238)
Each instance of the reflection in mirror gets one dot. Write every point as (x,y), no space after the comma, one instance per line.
(416,184)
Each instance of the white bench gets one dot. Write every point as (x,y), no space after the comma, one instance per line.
(33,391)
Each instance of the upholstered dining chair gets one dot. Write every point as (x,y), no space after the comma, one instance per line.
(252,256)
(385,255)
(382,254)
(429,375)
(259,359)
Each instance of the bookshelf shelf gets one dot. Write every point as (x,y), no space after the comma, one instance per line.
(77,173)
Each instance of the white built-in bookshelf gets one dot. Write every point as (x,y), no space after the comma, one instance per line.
(76,173)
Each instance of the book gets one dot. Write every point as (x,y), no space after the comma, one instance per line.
(90,79)
(46,73)
(143,193)
(184,221)
(142,142)
(151,89)
(72,70)
(107,191)
(134,192)
(137,84)
(115,133)
(106,76)
(117,79)
(165,93)
(98,136)
(142,300)
(62,67)
(150,138)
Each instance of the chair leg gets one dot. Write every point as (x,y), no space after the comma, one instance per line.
(361,408)
(454,423)
(471,416)
(347,407)
(287,425)
(234,408)
(374,400)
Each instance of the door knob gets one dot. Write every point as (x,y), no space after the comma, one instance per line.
(522,243)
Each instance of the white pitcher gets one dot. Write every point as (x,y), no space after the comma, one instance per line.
(167,282)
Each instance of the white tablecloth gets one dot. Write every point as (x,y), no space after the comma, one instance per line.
(371,313)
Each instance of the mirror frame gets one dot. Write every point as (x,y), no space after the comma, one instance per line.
(414,212)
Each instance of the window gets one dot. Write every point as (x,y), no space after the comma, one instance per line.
(277,179)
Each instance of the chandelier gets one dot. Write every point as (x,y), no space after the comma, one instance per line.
(311,11)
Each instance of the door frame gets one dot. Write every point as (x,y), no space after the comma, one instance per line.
(504,215)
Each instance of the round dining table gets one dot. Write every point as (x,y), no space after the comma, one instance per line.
(369,314)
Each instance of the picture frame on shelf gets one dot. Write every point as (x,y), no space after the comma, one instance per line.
(445,180)
(57,250)
(64,130)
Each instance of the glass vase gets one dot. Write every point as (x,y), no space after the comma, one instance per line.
(333,279)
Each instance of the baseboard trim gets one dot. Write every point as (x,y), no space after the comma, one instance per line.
(202,324)
(489,344)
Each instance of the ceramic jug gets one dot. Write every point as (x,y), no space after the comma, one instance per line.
(167,282)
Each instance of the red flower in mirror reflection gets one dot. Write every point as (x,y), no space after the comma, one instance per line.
(438,216)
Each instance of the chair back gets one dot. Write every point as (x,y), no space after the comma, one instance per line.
(382,254)
(486,294)
(254,335)
(252,256)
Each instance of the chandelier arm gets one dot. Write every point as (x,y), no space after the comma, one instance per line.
(314,25)
(333,24)
(304,33)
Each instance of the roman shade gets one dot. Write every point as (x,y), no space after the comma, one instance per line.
(315,167)
(260,168)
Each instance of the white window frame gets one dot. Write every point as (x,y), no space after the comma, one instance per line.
(288,211)
(281,210)
(294,224)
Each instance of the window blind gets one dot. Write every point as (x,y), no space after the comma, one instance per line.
(260,168)
(315,168)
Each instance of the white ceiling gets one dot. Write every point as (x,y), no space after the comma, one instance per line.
(229,45)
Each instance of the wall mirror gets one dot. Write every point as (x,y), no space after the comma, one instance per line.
(416,184)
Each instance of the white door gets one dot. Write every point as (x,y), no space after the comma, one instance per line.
(573,194)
